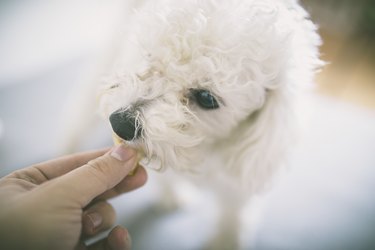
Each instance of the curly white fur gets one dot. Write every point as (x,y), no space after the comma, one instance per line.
(255,56)
(252,54)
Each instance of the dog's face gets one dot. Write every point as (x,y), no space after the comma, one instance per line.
(194,74)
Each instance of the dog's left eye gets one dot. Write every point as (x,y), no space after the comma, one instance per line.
(205,99)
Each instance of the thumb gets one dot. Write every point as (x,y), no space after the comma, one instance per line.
(97,176)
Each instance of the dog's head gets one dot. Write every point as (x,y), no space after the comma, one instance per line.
(202,76)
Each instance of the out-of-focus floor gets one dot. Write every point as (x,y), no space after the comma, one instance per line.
(323,202)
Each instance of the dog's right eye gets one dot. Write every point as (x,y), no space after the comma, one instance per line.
(205,99)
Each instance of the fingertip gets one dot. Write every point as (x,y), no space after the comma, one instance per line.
(119,239)
(140,176)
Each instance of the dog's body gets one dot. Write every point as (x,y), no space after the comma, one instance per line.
(206,88)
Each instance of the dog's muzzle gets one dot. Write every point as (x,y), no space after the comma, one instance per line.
(124,124)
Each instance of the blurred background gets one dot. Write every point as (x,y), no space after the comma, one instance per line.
(348,31)
(324,201)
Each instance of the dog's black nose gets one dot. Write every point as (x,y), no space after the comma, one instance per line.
(124,124)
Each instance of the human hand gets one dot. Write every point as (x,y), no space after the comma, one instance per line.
(59,203)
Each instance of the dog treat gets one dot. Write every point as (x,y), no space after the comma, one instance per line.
(116,139)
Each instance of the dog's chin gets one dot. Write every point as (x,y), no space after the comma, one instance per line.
(161,157)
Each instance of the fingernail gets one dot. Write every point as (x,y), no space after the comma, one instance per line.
(119,239)
(95,219)
(122,153)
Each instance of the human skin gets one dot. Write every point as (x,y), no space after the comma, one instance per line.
(59,203)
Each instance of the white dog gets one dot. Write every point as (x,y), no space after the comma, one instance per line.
(206,88)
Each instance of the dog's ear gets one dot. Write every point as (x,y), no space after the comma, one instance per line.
(258,145)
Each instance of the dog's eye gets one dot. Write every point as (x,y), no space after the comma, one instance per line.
(205,99)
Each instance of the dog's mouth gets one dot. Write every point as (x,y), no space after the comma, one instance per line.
(152,161)
(117,140)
